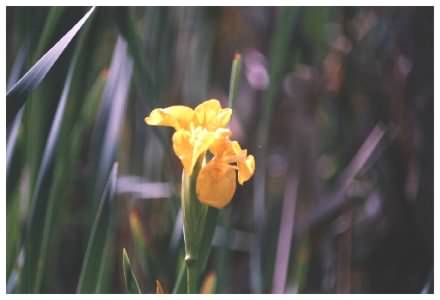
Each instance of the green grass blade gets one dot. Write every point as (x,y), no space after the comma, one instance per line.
(131,283)
(142,76)
(110,117)
(60,177)
(16,96)
(179,285)
(35,223)
(105,275)
(96,244)
(235,79)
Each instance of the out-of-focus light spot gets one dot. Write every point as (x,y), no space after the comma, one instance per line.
(404,65)
(373,205)
(258,77)
(341,44)
(256,69)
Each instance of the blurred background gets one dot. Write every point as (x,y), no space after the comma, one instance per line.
(336,103)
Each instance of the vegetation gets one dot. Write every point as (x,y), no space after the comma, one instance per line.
(336,105)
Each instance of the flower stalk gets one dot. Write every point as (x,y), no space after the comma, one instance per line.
(193,216)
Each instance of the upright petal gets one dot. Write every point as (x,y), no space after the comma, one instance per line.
(209,114)
(183,148)
(216,184)
(177,116)
(246,169)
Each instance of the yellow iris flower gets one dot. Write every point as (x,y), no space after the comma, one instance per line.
(198,131)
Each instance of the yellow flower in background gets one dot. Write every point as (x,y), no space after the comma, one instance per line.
(198,131)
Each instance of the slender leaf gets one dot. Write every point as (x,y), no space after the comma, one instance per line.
(35,223)
(16,96)
(111,114)
(60,178)
(131,283)
(95,246)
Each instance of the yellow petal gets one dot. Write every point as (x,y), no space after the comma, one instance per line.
(189,145)
(222,119)
(246,169)
(209,114)
(222,142)
(177,116)
(216,184)
(183,148)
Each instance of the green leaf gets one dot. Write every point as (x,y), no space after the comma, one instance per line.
(16,96)
(60,176)
(39,204)
(94,254)
(131,283)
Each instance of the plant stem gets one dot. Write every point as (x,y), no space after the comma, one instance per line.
(235,79)
(192,275)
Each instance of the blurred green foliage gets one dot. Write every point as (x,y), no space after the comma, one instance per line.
(338,100)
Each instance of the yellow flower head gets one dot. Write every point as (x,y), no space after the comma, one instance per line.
(198,131)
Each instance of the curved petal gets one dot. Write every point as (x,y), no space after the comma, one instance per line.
(177,116)
(216,184)
(222,119)
(209,114)
(246,169)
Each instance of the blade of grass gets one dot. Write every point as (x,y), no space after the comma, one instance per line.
(16,96)
(285,234)
(35,223)
(131,283)
(179,285)
(111,114)
(150,264)
(61,177)
(93,257)
(13,171)
(142,76)
(235,79)
(105,275)
(110,119)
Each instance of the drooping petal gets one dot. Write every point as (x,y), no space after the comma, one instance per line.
(216,184)
(222,142)
(177,116)
(189,145)
(246,169)
(209,114)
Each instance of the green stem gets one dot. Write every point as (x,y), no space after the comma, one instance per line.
(192,276)
(192,215)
